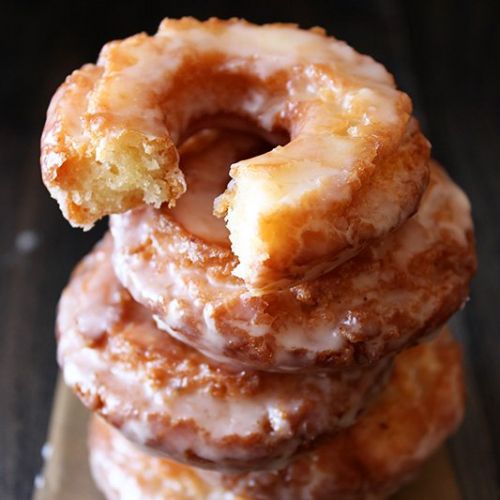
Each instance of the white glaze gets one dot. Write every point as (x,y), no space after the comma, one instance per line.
(425,388)
(192,415)
(201,293)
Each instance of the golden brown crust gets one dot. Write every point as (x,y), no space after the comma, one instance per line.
(377,303)
(112,130)
(421,405)
(165,395)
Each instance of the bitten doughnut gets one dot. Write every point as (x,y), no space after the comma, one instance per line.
(377,303)
(353,170)
(169,397)
(421,405)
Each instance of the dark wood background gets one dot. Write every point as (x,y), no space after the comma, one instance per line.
(445,54)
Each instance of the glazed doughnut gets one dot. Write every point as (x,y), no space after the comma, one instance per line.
(421,405)
(384,299)
(167,396)
(353,170)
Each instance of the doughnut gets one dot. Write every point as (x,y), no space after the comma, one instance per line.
(348,165)
(387,297)
(167,396)
(420,406)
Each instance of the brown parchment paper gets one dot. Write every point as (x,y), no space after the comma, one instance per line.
(66,474)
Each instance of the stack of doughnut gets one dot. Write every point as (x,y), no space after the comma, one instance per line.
(266,316)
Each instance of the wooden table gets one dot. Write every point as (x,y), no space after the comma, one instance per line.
(445,55)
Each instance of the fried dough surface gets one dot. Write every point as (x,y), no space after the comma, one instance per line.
(420,406)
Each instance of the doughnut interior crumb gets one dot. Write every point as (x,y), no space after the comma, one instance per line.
(121,173)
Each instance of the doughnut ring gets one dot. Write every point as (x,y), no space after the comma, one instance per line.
(167,396)
(420,406)
(379,302)
(353,170)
